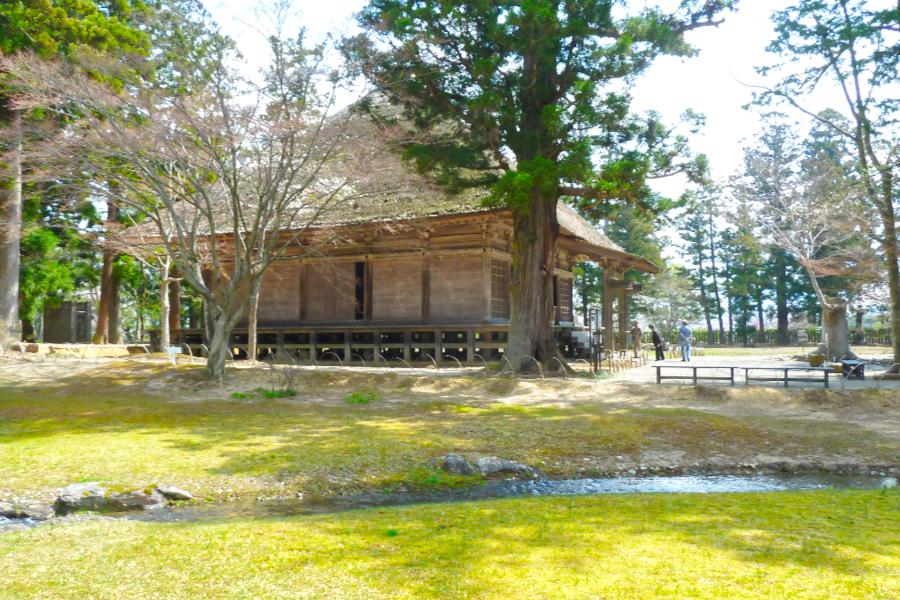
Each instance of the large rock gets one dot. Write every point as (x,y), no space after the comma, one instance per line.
(488,465)
(456,464)
(101,497)
(7,510)
(173,493)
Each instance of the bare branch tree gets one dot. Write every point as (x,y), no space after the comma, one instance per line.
(810,208)
(227,178)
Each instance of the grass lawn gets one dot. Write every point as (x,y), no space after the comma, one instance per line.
(106,428)
(822,544)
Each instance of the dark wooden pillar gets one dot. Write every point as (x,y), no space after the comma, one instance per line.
(426,288)
(623,317)
(367,290)
(606,316)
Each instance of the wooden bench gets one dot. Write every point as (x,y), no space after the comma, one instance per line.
(786,374)
(693,376)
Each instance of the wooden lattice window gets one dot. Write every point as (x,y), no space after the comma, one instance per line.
(564,299)
(499,289)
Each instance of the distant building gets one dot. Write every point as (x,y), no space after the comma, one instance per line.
(415,278)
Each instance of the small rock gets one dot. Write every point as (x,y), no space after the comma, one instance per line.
(26,510)
(37,512)
(457,465)
(173,493)
(489,465)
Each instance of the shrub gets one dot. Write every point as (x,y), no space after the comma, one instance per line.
(264,393)
(361,397)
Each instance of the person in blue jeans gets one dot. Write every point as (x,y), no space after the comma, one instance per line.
(685,337)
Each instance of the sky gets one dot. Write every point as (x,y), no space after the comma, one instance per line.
(712,83)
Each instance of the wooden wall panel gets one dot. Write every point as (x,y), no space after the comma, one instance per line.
(397,289)
(279,295)
(457,289)
(330,291)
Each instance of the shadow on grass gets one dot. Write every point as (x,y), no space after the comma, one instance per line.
(118,430)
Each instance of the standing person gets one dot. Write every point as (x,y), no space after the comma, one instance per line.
(685,337)
(657,343)
(636,334)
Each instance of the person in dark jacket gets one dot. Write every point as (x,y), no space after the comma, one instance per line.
(657,343)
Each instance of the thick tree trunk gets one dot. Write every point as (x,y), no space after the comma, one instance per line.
(114,332)
(10,235)
(781,307)
(836,330)
(175,306)
(535,232)
(102,327)
(218,349)
(109,295)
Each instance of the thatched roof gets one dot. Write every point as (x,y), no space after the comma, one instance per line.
(395,192)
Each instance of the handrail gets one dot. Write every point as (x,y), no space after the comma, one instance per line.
(324,354)
(408,366)
(512,370)
(561,366)
(540,368)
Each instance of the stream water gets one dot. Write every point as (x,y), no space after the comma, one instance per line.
(696,484)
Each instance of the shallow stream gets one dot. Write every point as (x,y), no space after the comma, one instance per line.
(696,484)
(692,484)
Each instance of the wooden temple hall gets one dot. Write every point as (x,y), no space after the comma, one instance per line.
(418,279)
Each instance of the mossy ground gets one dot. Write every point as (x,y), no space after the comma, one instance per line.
(136,425)
(822,544)
(106,426)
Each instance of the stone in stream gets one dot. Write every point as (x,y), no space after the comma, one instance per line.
(173,493)
(26,510)
(488,465)
(36,511)
(101,497)
(456,464)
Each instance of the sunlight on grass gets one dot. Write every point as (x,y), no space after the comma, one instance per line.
(824,544)
(220,448)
